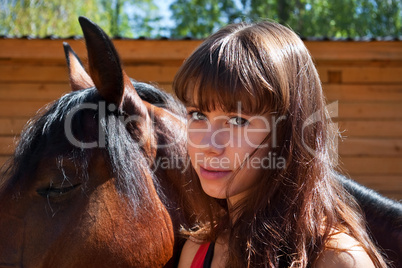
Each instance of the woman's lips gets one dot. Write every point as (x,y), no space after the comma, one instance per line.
(211,174)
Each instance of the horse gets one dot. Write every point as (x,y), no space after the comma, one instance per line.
(85,186)
(98,176)
(383,216)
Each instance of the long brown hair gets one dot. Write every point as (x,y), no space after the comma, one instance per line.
(292,211)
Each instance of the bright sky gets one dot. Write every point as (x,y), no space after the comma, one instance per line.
(165,12)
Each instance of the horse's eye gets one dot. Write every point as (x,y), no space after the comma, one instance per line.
(54,192)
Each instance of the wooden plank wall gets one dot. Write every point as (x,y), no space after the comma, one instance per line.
(364,77)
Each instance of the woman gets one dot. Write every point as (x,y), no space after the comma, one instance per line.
(259,141)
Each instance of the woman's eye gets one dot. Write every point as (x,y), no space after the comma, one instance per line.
(197,116)
(238,121)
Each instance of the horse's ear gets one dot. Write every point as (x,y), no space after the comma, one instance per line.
(111,81)
(104,63)
(79,79)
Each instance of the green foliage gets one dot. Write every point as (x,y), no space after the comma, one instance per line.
(331,18)
(199,18)
(42,18)
(143,20)
(310,18)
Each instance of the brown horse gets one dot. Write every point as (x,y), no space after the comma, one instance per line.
(97,177)
(86,186)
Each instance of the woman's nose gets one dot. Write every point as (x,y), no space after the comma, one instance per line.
(215,141)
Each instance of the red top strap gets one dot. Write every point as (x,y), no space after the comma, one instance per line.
(199,257)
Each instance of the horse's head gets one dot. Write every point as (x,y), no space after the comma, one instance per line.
(85,184)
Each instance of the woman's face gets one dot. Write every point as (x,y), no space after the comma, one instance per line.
(219,143)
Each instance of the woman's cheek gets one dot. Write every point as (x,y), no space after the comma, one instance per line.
(194,138)
(254,137)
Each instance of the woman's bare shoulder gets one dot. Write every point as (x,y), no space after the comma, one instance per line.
(188,253)
(343,251)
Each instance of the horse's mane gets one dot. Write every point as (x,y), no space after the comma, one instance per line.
(379,205)
(43,138)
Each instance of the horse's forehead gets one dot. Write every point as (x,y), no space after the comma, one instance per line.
(180,119)
(157,111)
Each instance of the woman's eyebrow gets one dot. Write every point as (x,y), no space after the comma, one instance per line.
(190,103)
(241,113)
(188,106)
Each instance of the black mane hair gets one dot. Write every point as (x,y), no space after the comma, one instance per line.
(383,217)
(44,138)
(368,198)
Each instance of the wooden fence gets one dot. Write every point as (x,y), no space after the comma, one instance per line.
(364,77)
